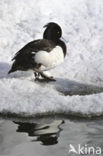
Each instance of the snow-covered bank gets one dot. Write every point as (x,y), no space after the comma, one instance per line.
(82,24)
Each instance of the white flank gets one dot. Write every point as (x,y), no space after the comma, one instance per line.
(50,59)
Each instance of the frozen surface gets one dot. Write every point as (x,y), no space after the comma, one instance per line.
(82,24)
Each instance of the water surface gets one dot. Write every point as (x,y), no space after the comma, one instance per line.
(48,136)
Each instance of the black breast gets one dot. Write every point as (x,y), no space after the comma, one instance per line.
(63,46)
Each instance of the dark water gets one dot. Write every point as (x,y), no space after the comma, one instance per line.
(49,136)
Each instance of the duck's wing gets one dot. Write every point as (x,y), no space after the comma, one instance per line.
(34,46)
(24,58)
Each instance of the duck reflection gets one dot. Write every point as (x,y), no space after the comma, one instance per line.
(46,133)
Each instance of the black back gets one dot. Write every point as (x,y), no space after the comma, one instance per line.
(24,58)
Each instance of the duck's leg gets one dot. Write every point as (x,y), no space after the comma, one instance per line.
(46,78)
(37,75)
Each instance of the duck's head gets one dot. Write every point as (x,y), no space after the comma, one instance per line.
(52,32)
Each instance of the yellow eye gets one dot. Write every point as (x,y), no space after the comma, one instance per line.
(58,32)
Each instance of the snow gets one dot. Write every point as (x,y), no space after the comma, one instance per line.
(79,86)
